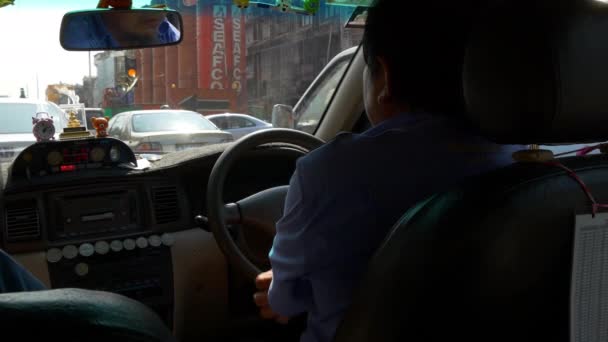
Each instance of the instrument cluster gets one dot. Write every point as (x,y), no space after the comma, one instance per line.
(55,157)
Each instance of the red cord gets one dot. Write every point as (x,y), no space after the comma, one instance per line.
(594,205)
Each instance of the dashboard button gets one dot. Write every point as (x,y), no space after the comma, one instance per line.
(54,255)
(86,249)
(102,247)
(155,241)
(81,269)
(70,252)
(167,239)
(116,246)
(141,242)
(129,244)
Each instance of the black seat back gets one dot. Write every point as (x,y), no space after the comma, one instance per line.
(490,260)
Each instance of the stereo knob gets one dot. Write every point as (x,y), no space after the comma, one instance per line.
(86,249)
(70,252)
(54,255)
(116,246)
(81,269)
(141,242)
(102,247)
(155,241)
(129,244)
(167,239)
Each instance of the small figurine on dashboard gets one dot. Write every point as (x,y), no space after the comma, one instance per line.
(44,128)
(101,126)
(311,6)
(284,5)
(241,3)
(6,3)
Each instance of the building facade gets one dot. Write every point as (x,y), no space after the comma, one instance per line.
(232,60)
(286,52)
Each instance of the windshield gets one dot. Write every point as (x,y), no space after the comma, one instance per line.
(171,122)
(230,60)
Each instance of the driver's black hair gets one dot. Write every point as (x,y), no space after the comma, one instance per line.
(423,43)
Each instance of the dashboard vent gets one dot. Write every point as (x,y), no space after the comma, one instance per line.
(22,221)
(166,204)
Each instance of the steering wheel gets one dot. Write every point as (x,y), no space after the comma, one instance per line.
(261,210)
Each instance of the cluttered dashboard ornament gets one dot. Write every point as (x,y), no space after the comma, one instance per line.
(241,3)
(6,3)
(284,5)
(101,126)
(74,129)
(44,127)
(311,6)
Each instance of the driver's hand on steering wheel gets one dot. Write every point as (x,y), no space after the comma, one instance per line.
(262,283)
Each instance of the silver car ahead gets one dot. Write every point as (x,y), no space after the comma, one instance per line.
(238,124)
(162,131)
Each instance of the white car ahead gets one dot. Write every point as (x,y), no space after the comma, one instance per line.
(162,131)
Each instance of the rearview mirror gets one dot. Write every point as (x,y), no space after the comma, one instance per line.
(283,116)
(116,29)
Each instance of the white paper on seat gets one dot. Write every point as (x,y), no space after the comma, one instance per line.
(589,288)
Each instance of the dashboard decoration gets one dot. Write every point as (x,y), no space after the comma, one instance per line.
(55,157)
(6,3)
(101,126)
(311,6)
(44,128)
(241,3)
(284,5)
(352,3)
(74,129)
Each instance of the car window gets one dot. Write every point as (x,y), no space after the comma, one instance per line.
(220,122)
(309,113)
(170,122)
(116,126)
(238,122)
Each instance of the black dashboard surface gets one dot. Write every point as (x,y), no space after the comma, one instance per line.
(42,159)
(85,206)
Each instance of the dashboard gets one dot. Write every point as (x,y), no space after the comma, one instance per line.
(88,218)
(53,157)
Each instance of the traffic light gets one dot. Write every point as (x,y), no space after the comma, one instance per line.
(131,67)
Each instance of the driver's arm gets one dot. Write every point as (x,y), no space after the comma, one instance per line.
(295,253)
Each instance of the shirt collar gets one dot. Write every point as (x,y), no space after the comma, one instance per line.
(397,121)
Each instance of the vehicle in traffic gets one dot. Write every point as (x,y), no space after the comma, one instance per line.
(91,113)
(163,131)
(16,123)
(239,125)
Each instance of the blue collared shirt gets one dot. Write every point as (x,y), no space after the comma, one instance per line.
(345,196)
(15,278)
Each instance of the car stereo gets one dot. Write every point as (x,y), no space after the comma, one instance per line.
(78,214)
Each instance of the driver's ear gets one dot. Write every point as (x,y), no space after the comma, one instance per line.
(384,78)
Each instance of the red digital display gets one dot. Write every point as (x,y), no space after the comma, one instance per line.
(75,155)
(67,168)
